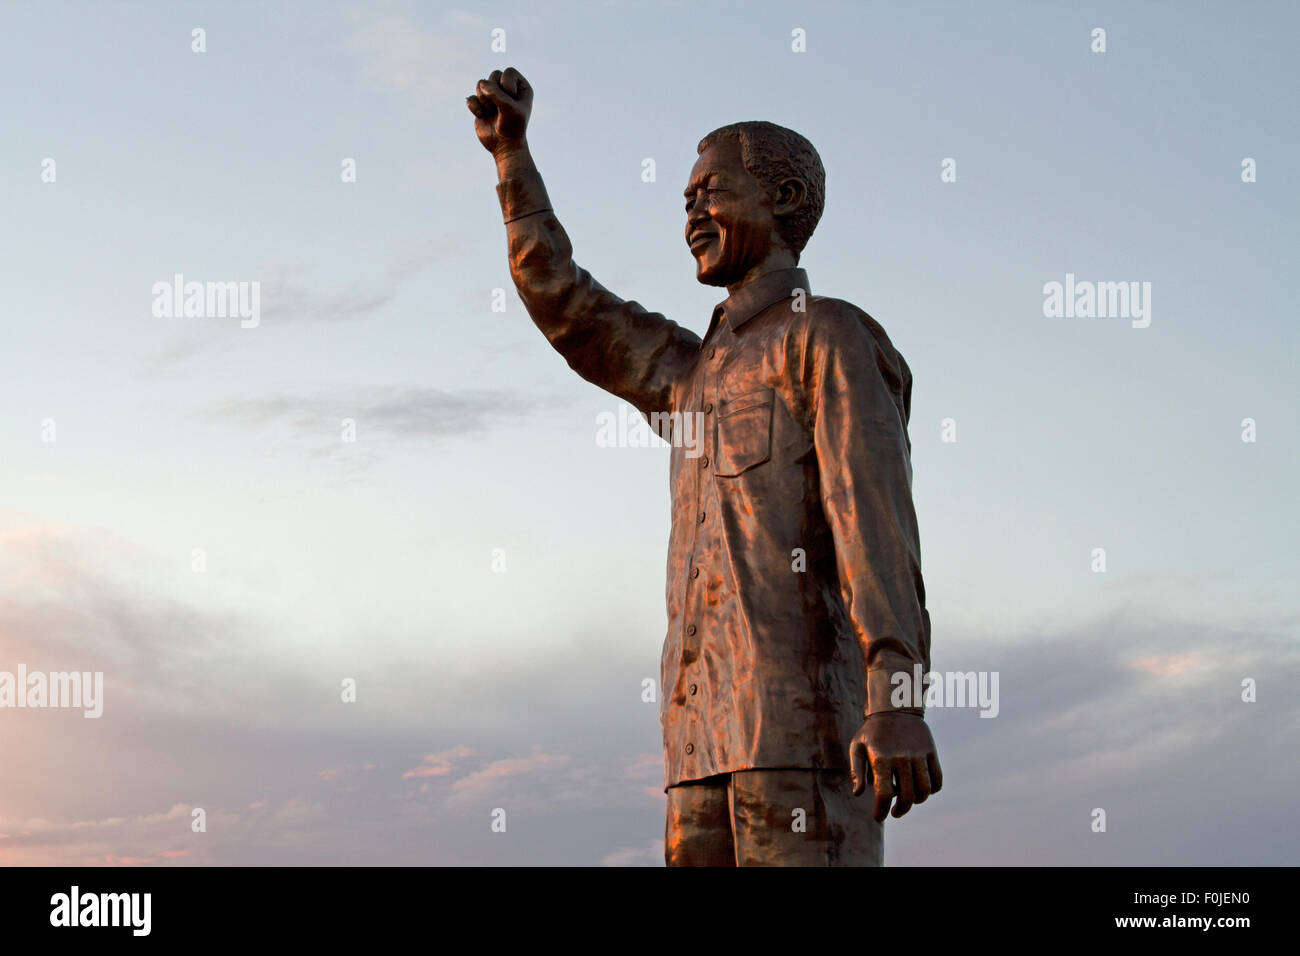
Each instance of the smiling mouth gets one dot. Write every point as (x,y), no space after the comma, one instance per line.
(701,239)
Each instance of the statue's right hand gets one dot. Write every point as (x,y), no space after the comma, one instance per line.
(501,105)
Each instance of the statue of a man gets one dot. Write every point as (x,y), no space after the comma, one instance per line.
(794,567)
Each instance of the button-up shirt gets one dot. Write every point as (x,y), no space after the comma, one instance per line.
(794,585)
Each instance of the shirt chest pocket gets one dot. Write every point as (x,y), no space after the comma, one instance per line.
(744,432)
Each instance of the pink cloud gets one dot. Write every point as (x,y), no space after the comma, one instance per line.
(437,764)
(509,767)
(1170,665)
(644,765)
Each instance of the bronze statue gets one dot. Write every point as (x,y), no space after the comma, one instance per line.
(794,570)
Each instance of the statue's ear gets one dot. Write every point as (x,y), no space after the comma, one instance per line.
(790,195)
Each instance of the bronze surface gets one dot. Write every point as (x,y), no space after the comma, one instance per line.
(794,588)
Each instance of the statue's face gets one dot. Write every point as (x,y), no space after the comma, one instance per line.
(729,224)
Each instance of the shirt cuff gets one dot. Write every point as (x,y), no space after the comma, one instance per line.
(522,195)
(885,695)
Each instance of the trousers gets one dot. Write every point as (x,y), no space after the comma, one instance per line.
(772,818)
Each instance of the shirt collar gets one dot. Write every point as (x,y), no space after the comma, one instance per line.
(753,298)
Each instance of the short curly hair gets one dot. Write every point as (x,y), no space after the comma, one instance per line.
(771,154)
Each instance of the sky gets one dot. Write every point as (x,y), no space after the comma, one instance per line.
(487,574)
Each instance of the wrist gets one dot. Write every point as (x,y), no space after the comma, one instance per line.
(915,712)
(513,159)
(890,690)
(521,190)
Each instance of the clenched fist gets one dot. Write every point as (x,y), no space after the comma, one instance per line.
(501,105)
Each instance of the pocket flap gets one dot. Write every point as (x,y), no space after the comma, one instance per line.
(730,406)
(744,432)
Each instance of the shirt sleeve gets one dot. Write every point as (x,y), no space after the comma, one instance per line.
(859,392)
(621,347)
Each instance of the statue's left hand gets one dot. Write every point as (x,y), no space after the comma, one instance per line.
(896,753)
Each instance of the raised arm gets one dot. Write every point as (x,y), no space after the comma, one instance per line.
(617,345)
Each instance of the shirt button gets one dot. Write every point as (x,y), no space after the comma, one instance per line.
(695,572)
(690,748)
(704,462)
(691,630)
(708,408)
(695,689)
